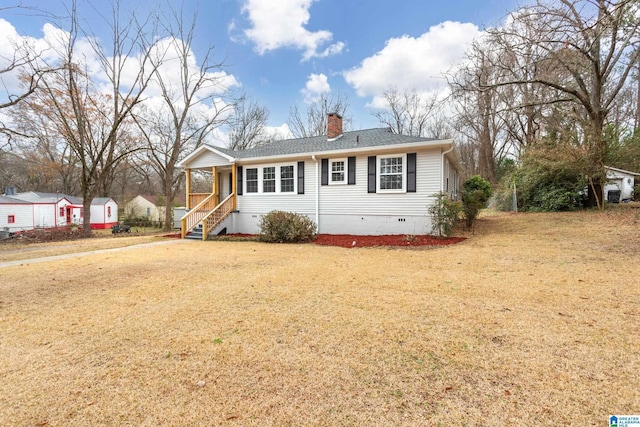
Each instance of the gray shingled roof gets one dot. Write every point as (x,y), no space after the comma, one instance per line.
(318,144)
(38,197)
(100,200)
(12,200)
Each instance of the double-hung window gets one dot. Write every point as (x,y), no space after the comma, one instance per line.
(269,179)
(286,179)
(392,173)
(338,171)
(252,180)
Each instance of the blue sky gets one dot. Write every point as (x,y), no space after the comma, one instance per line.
(287,52)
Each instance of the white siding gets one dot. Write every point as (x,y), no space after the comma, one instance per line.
(97,214)
(207,160)
(100,213)
(252,205)
(44,215)
(350,209)
(355,200)
(620,181)
(23,216)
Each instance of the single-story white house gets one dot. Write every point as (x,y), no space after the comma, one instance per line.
(365,182)
(622,181)
(145,206)
(29,210)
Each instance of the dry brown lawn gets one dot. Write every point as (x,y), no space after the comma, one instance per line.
(532,321)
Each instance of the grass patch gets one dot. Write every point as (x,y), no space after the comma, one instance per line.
(531,321)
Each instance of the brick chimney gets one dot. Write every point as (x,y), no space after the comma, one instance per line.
(334,125)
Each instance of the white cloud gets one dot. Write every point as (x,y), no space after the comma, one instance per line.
(277,24)
(51,48)
(279,132)
(317,84)
(409,63)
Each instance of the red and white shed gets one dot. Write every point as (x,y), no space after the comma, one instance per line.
(104,212)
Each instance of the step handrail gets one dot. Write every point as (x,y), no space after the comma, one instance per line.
(215,217)
(192,218)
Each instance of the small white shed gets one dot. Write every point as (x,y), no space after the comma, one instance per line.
(104,213)
(619,185)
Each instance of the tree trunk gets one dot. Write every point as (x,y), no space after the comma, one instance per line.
(169,196)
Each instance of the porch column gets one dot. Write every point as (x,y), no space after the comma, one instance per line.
(214,185)
(188,186)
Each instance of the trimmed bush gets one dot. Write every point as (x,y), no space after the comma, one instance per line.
(286,227)
(475,194)
(444,215)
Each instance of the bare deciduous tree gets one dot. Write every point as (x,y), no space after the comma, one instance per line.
(586,50)
(409,113)
(247,126)
(192,105)
(313,122)
(92,122)
(24,57)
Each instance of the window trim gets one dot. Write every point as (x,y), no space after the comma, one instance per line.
(11,219)
(278,178)
(247,180)
(403,180)
(292,179)
(345,172)
(275,179)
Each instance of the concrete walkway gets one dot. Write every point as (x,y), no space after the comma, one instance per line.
(81,254)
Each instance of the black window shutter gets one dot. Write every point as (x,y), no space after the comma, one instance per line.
(239,186)
(230,182)
(351,168)
(300,177)
(411,173)
(371,174)
(325,172)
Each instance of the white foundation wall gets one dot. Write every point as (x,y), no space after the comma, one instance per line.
(364,225)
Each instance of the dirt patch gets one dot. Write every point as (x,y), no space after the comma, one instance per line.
(531,321)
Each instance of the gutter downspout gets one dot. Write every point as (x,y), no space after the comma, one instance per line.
(313,157)
(442,166)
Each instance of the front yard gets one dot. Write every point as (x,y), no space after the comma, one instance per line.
(533,320)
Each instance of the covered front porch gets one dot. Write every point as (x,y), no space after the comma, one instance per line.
(206,210)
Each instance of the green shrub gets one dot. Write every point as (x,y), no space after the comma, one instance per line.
(550,177)
(444,215)
(475,194)
(286,227)
(477,183)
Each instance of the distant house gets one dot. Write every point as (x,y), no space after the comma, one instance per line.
(619,185)
(150,207)
(364,182)
(145,206)
(104,213)
(29,210)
